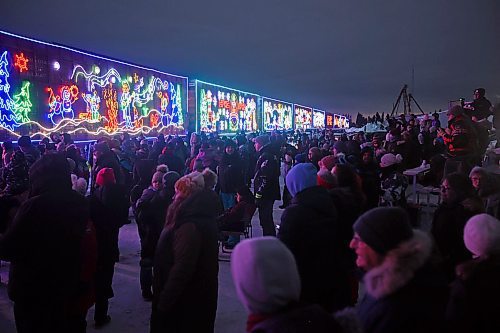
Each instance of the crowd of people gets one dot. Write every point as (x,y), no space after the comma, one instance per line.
(346,219)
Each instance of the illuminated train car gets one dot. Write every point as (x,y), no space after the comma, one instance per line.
(277,115)
(302,116)
(225,110)
(319,119)
(329,120)
(46,88)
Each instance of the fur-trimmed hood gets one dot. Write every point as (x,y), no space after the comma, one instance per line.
(399,266)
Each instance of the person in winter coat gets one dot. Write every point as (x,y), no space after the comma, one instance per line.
(487,187)
(151,213)
(369,171)
(105,158)
(349,200)
(15,176)
(171,160)
(392,182)
(475,294)
(459,203)
(460,139)
(43,245)
(30,152)
(143,171)
(404,292)
(266,184)
(234,219)
(185,281)
(209,156)
(7,152)
(157,148)
(109,211)
(309,229)
(267,282)
(286,165)
(230,175)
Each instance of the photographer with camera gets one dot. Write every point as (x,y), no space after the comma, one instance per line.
(479,108)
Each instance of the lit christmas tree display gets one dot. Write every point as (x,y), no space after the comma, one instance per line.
(7,116)
(22,104)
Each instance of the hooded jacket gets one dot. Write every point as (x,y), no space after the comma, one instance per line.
(448,230)
(43,243)
(186,267)
(404,293)
(266,179)
(309,229)
(475,296)
(230,173)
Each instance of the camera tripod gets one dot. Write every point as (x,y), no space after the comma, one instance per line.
(407,99)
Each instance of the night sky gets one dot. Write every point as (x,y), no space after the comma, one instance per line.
(341,56)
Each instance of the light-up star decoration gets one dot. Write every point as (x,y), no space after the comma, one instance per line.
(21,62)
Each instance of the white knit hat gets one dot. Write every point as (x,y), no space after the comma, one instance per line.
(265,275)
(482,235)
(390,159)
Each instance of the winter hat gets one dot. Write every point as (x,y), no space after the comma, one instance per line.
(328,162)
(49,172)
(262,140)
(24,141)
(105,176)
(163,168)
(301,177)
(265,275)
(478,170)
(79,184)
(340,146)
(383,228)
(169,179)
(482,235)
(390,159)
(300,158)
(158,177)
(210,178)
(189,184)
(326,179)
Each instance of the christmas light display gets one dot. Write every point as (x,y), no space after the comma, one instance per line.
(225,110)
(302,117)
(318,119)
(21,62)
(336,121)
(22,103)
(98,96)
(7,115)
(329,121)
(343,122)
(47,88)
(277,115)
